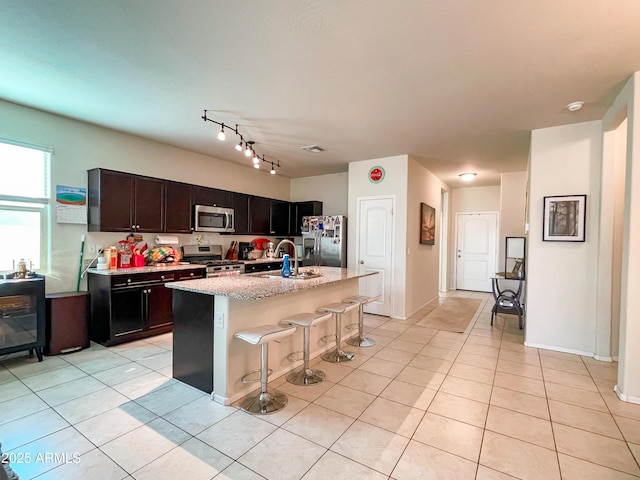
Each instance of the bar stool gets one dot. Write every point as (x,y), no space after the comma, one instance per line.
(305,376)
(338,355)
(361,301)
(264,402)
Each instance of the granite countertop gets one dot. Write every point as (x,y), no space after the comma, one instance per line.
(262,260)
(255,287)
(147,269)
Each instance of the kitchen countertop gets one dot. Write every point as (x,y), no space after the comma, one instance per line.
(262,260)
(254,287)
(147,269)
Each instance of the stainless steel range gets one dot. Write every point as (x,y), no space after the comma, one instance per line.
(211,256)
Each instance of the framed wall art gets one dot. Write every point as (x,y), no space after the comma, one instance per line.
(564,218)
(427,224)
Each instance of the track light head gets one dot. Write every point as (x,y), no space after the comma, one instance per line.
(273,170)
(249,148)
(239,146)
(256,165)
(221,135)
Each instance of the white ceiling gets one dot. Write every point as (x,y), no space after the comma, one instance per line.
(459,84)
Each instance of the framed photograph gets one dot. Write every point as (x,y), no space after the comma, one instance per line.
(427,224)
(564,218)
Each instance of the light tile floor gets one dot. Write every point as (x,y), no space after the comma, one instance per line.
(420,404)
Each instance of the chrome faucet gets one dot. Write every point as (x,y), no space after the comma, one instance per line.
(295,255)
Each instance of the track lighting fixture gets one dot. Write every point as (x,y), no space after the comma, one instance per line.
(248,145)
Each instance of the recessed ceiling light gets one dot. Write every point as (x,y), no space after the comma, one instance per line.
(312,148)
(575,106)
(467,177)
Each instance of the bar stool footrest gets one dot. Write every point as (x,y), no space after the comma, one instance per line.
(245,380)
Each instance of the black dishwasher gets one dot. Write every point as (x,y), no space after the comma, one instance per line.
(22,315)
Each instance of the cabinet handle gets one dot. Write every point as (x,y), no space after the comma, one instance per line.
(133,227)
(128,280)
(191,274)
(137,226)
(161,277)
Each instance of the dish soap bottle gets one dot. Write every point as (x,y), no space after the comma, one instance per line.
(286,268)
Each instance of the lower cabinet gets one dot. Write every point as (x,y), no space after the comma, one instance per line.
(131,306)
(262,266)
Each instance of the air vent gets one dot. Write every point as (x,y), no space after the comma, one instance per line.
(312,149)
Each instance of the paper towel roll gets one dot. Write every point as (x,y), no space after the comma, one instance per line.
(166,240)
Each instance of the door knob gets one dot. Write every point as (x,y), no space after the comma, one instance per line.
(361,262)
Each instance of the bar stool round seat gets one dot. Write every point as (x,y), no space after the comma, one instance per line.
(337,355)
(305,376)
(265,401)
(361,300)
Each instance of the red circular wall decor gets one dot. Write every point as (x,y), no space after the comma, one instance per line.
(376,174)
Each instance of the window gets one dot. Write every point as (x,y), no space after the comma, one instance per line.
(24,203)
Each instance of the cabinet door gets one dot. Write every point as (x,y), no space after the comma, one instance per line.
(305,209)
(149,209)
(240,205)
(111,201)
(127,311)
(159,306)
(279,215)
(211,197)
(259,215)
(178,208)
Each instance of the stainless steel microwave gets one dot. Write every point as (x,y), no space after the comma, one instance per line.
(213,219)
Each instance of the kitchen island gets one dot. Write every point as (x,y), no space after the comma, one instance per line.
(208,312)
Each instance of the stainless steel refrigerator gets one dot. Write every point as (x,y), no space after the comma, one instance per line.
(324,241)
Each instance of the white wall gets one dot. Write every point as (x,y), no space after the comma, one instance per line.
(394,183)
(422,261)
(627,104)
(561,276)
(475,199)
(513,195)
(81,146)
(332,190)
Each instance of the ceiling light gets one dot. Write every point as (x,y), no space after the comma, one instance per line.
(467,177)
(575,106)
(312,148)
(248,150)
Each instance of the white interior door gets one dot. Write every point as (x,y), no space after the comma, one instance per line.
(476,250)
(375,252)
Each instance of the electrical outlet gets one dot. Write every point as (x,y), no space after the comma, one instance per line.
(91,249)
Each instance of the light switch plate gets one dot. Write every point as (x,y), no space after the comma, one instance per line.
(219,319)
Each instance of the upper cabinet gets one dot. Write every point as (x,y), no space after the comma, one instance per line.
(240,205)
(279,218)
(178,207)
(303,209)
(211,197)
(121,202)
(259,215)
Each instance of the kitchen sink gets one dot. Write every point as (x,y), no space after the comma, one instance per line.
(308,275)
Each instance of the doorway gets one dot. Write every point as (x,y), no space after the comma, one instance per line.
(376,235)
(476,235)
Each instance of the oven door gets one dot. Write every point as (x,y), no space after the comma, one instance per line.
(213,219)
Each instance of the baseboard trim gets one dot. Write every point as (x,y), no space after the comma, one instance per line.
(558,349)
(624,397)
(603,359)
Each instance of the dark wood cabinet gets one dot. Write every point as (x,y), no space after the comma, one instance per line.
(129,306)
(259,215)
(178,207)
(303,209)
(262,266)
(240,205)
(149,204)
(121,202)
(279,216)
(211,197)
